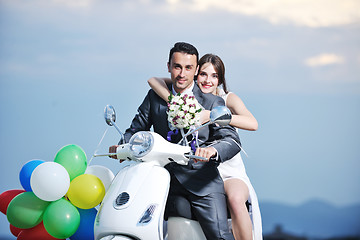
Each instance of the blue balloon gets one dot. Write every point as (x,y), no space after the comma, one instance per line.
(86,227)
(26,171)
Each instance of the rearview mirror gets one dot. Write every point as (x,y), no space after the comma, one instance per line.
(110,117)
(220,115)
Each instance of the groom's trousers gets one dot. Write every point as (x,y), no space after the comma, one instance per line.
(209,210)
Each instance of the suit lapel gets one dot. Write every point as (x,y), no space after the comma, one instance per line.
(201,97)
(198,94)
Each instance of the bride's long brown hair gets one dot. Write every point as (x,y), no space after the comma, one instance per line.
(218,66)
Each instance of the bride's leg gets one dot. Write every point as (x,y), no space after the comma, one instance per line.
(238,193)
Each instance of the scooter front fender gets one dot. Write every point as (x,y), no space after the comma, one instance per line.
(180,228)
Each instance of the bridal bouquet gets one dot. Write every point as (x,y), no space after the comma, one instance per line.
(183,111)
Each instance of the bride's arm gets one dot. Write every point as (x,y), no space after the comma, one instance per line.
(159,86)
(242,117)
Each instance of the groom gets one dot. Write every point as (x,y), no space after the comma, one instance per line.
(198,182)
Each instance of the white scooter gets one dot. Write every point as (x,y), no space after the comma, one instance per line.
(133,206)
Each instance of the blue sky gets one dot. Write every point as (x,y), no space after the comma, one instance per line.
(295,64)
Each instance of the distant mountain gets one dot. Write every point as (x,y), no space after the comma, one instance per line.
(315,219)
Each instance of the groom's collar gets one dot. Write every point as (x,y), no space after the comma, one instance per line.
(188,90)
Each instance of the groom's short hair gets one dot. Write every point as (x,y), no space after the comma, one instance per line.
(184,47)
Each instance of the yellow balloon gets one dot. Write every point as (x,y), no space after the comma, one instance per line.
(86,191)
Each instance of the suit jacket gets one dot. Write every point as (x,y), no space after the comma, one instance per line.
(200,178)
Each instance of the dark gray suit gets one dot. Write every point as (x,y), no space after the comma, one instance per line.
(199,180)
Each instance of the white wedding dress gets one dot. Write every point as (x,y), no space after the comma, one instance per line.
(234,168)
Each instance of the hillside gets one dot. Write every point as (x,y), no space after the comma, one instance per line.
(313,219)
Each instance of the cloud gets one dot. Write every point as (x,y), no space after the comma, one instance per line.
(324,59)
(310,13)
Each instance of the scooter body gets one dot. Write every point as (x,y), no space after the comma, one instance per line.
(133,206)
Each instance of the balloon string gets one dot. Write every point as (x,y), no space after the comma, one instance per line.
(97,148)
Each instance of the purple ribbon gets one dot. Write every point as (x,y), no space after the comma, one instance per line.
(192,144)
(170,133)
(176,131)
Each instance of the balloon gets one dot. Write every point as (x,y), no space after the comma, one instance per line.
(6,197)
(61,219)
(106,175)
(73,158)
(36,233)
(14,230)
(86,227)
(50,181)
(86,191)
(26,210)
(26,171)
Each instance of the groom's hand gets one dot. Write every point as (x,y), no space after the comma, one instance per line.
(206,153)
(112,149)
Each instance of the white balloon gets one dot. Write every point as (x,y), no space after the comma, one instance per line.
(103,173)
(50,181)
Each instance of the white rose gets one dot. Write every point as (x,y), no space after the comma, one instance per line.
(197,117)
(191,101)
(172,107)
(170,118)
(180,101)
(176,98)
(180,114)
(185,107)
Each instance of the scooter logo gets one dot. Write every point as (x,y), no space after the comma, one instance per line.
(148,215)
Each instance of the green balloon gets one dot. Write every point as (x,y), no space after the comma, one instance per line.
(61,219)
(73,159)
(26,210)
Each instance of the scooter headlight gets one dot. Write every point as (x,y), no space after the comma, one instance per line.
(141,144)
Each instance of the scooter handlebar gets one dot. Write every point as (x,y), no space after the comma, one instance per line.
(123,151)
